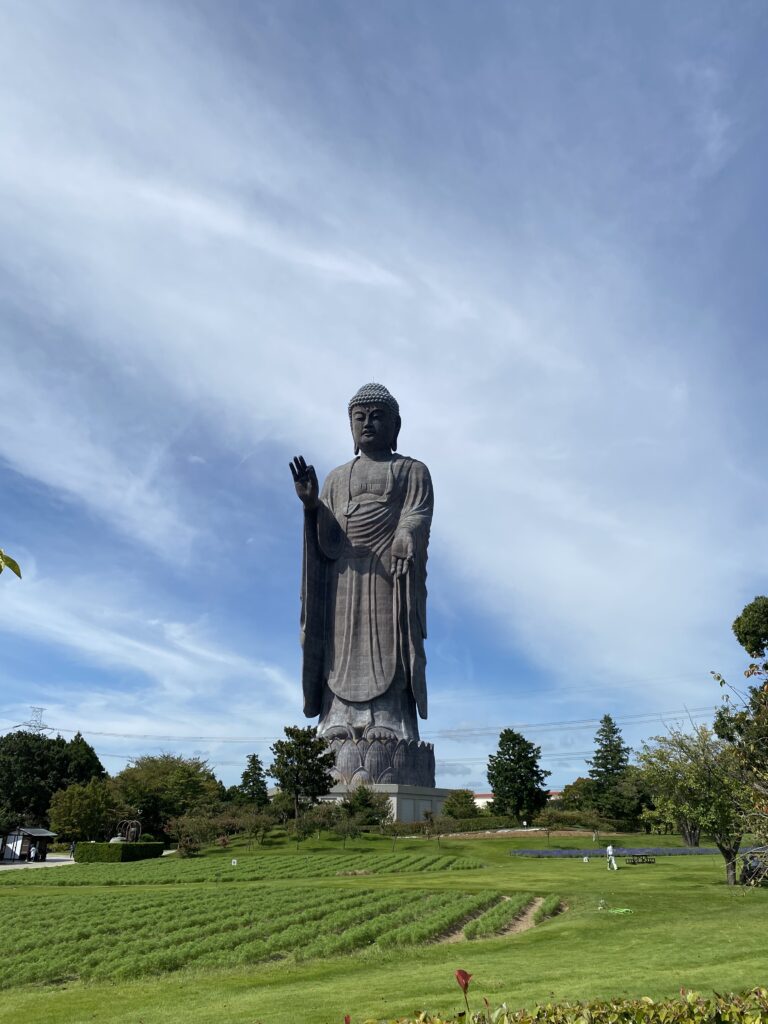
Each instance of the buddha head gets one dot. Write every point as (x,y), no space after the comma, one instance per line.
(374,417)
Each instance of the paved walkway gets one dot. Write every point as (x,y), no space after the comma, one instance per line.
(53,861)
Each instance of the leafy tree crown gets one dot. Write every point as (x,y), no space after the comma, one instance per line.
(302,765)
(751,628)
(461,804)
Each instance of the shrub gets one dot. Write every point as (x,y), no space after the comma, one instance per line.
(552,818)
(367,806)
(113,853)
(481,823)
(461,804)
(689,1008)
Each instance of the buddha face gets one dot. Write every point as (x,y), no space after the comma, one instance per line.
(374,428)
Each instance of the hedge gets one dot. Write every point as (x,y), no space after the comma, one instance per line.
(481,823)
(688,1008)
(113,853)
(443,825)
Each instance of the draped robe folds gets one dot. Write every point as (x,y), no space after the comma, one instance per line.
(361,628)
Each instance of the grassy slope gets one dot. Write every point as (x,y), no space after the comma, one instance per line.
(686,928)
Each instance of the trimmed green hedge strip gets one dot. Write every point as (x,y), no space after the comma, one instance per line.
(444,825)
(114,853)
(482,823)
(690,1008)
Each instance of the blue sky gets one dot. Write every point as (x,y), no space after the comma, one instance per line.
(541,226)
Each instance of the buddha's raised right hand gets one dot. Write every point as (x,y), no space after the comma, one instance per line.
(305,482)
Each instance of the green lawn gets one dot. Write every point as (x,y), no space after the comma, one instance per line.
(310,935)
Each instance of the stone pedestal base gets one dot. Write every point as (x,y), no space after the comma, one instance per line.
(384,762)
(408,802)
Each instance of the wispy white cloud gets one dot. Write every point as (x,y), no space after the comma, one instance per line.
(45,435)
(88,617)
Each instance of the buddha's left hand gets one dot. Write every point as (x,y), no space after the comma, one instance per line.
(402,554)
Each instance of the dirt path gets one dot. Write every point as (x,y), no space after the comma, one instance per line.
(521,923)
(456,934)
(525,920)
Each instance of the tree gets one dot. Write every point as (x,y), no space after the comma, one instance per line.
(189,832)
(554,817)
(83,812)
(347,827)
(579,795)
(253,784)
(82,761)
(302,765)
(33,767)
(324,816)
(608,766)
(193,829)
(259,825)
(515,776)
(367,806)
(460,804)
(282,806)
(302,828)
(157,788)
(631,797)
(751,628)
(694,781)
(743,718)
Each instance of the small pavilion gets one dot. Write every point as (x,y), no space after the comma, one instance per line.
(16,845)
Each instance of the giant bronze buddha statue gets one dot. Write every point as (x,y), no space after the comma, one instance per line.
(364,598)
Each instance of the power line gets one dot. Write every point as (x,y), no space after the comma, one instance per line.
(467,732)
(577,724)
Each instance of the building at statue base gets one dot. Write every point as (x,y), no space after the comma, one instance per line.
(409,804)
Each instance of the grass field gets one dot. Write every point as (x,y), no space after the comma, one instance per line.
(314,933)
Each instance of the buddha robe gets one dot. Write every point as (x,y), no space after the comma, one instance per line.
(363,630)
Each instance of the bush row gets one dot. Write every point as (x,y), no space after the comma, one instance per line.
(482,823)
(112,853)
(441,825)
(688,1008)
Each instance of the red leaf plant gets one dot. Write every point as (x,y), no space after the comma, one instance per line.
(463,978)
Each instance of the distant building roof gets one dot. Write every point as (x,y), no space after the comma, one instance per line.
(37,833)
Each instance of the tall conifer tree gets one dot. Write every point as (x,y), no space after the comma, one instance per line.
(515,776)
(608,767)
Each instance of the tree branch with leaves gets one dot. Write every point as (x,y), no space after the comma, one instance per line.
(6,562)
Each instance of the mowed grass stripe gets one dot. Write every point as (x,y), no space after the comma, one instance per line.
(173,918)
(250,868)
(438,924)
(267,927)
(78,942)
(374,926)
